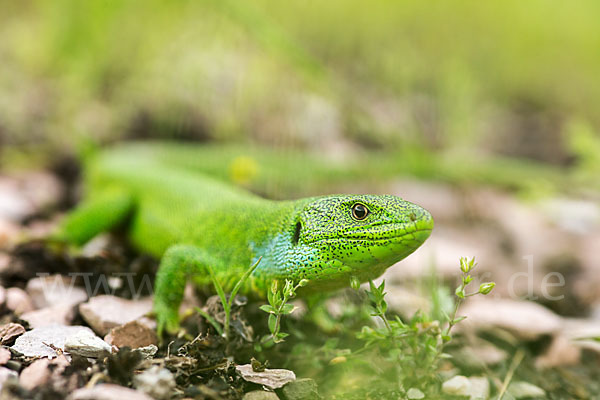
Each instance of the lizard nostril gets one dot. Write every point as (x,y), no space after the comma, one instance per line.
(412,216)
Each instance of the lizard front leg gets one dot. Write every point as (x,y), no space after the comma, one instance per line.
(178,265)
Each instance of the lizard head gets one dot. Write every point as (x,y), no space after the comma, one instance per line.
(340,238)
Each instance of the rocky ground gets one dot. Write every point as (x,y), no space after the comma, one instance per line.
(75,324)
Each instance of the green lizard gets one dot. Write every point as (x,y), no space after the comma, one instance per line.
(190,220)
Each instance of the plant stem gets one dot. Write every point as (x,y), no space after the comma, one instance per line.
(511,370)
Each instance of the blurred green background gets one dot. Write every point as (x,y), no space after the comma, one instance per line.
(487,79)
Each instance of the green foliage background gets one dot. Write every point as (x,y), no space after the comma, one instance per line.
(508,77)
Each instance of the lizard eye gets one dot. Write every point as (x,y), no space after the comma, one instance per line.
(360,211)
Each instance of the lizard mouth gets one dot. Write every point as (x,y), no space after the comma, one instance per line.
(397,232)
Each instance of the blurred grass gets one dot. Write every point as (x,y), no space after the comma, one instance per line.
(507,78)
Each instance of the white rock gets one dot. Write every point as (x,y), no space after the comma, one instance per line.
(13,205)
(562,352)
(526,319)
(414,394)
(38,342)
(480,388)
(60,314)
(270,378)
(107,391)
(106,312)
(522,390)
(18,301)
(156,382)
(86,344)
(23,194)
(459,385)
(47,291)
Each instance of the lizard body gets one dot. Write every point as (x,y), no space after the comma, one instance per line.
(190,220)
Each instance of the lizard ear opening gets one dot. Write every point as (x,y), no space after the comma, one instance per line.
(296,236)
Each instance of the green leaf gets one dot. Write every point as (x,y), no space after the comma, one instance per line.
(460,292)
(372,287)
(218,288)
(287,308)
(270,297)
(458,319)
(211,320)
(267,341)
(243,279)
(267,308)
(272,322)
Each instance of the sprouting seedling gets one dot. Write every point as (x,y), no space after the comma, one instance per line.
(227,303)
(278,306)
(466,266)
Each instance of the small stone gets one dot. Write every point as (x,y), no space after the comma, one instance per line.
(7,374)
(60,314)
(414,394)
(481,352)
(562,352)
(526,319)
(9,332)
(13,204)
(4,355)
(133,334)
(260,395)
(105,312)
(147,352)
(523,390)
(35,374)
(480,388)
(86,344)
(459,385)
(301,389)
(9,231)
(38,342)
(18,301)
(270,378)
(156,382)
(46,291)
(107,391)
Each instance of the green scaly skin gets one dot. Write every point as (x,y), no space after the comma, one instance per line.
(190,220)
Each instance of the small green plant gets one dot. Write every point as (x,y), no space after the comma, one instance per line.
(408,354)
(278,306)
(227,302)
(466,266)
